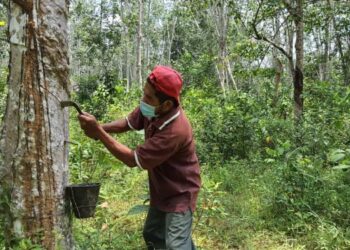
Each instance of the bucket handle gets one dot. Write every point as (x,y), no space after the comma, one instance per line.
(75,203)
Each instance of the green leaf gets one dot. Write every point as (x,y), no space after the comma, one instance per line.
(336,155)
(269,160)
(342,166)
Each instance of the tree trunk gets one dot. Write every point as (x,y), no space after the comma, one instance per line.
(322,48)
(126,48)
(102,68)
(325,59)
(318,43)
(290,37)
(148,42)
(34,152)
(278,75)
(139,45)
(221,81)
(344,61)
(298,77)
(171,34)
(220,16)
(277,64)
(229,72)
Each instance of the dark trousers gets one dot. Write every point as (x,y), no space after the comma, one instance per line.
(170,231)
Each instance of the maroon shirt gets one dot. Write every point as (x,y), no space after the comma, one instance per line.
(169,156)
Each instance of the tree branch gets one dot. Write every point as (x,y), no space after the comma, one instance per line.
(255,23)
(259,36)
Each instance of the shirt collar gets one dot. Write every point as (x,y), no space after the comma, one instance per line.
(161,122)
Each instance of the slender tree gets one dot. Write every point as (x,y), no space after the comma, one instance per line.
(139,45)
(125,40)
(344,57)
(33,161)
(295,10)
(221,19)
(277,63)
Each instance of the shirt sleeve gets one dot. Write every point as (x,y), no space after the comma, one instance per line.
(135,119)
(156,150)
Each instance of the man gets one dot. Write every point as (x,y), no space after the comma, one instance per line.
(168,154)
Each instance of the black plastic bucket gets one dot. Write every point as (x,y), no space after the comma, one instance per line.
(84,198)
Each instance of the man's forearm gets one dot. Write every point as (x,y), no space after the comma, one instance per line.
(120,151)
(118,126)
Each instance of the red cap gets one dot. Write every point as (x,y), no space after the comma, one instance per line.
(167,81)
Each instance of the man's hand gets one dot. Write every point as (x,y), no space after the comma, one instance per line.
(90,125)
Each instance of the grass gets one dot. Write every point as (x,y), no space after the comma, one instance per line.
(223,220)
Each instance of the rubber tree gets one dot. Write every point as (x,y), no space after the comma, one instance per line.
(139,45)
(219,13)
(34,134)
(295,11)
(339,40)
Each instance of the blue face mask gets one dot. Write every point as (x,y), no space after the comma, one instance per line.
(147,110)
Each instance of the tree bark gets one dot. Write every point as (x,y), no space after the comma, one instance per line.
(34,152)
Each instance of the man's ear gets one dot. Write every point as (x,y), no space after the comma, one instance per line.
(167,105)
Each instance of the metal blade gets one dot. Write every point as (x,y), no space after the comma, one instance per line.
(71,103)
